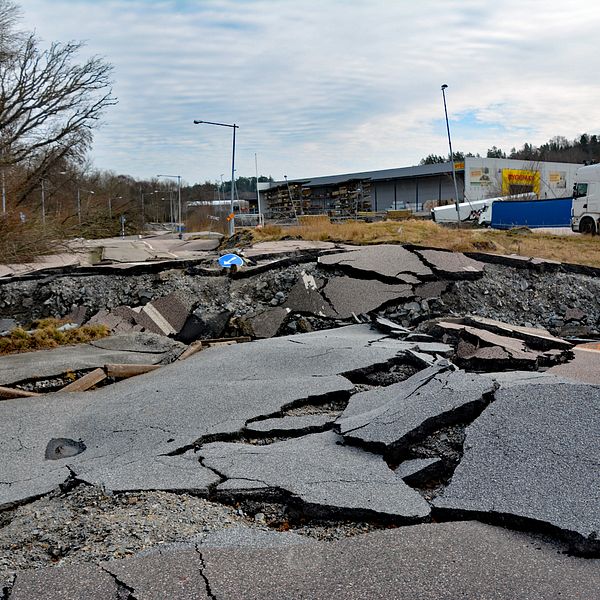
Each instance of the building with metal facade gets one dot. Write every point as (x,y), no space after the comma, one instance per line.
(418,188)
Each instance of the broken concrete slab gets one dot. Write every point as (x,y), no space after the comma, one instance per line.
(452,264)
(532,456)
(140,342)
(443,561)
(174,308)
(348,296)
(481,347)
(119,320)
(537,338)
(204,325)
(131,251)
(389,419)
(177,575)
(287,425)
(508,379)
(65,583)
(390,326)
(15,368)
(287,247)
(138,471)
(267,323)
(384,261)
(304,297)
(329,478)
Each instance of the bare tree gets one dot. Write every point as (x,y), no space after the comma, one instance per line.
(49,102)
(9,16)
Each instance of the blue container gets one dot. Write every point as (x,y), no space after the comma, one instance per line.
(532,213)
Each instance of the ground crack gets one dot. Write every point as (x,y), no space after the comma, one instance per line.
(124,591)
(209,591)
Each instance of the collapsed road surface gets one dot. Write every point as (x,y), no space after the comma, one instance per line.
(402,456)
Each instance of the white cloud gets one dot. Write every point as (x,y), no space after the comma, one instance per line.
(320,87)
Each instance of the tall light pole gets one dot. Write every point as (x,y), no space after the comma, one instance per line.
(444,86)
(234,127)
(43,203)
(110,204)
(142,194)
(178,177)
(259,207)
(79,190)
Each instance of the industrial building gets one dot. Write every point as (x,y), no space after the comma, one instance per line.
(419,188)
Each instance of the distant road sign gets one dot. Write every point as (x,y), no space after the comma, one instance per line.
(229,260)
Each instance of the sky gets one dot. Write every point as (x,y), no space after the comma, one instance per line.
(321,87)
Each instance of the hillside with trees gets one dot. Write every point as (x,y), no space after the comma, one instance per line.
(583,149)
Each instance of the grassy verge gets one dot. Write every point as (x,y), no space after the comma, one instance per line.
(577,249)
(45,334)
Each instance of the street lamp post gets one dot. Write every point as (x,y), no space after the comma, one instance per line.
(178,177)
(451,158)
(234,127)
(142,194)
(79,190)
(43,203)
(110,204)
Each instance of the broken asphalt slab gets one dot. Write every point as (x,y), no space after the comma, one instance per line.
(128,427)
(66,583)
(289,425)
(322,474)
(384,261)
(452,264)
(443,561)
(348,296)
(532,456)
(135,349)
(480,348)
(536,337)
(389,419)
(423,562)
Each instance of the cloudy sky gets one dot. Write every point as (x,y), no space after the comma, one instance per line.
(329,86)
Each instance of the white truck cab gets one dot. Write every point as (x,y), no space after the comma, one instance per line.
(585,214)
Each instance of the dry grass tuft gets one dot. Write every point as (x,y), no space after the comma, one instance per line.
(45,334)
(577,249)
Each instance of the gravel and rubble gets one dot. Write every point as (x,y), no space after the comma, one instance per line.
(564,303)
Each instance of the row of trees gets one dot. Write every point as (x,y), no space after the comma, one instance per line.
(584,149)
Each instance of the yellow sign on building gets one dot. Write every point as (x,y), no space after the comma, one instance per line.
(520,181)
